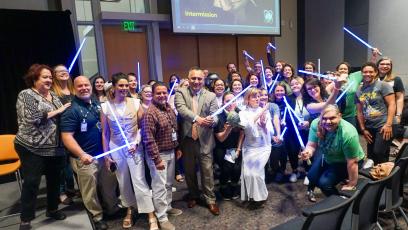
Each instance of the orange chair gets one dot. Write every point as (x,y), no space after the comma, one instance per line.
(9,160)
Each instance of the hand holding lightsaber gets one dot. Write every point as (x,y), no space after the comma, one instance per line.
(318,75)
(360,40)
(272,46)
(246,54)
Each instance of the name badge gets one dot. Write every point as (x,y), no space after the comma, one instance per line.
(84,126)
(174,136)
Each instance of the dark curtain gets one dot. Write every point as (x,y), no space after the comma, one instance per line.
(29,37)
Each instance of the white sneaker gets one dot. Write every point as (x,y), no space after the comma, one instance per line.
(293,178)
(166,225)
(306,181)
(174,212)
(368,164)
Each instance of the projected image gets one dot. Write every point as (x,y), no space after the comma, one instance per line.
(226,16)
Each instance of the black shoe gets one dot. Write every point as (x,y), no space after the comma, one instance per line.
(25,226)
(56,215)
(254,205)
(236,191)
(100,225)
(226,193)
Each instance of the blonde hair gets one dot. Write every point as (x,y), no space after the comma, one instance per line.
(298,79)
(389,76)
(252,91)
(56,84)
(321,132)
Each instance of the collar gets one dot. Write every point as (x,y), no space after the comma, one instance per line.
(197,93)
(160,106)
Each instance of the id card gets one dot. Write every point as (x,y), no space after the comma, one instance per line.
(84,126)
(174,136)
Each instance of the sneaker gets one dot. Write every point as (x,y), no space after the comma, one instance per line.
(100,225)
(166,225)
(236,191)
(66,199)
(368,164)
(226,193)
(56,215)
(293,178)
(25,226)
(306,181)
(311,196)
(174,212)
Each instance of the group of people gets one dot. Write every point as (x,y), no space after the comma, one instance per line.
(64,126)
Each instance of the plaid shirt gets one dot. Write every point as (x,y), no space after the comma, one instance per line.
(159,123)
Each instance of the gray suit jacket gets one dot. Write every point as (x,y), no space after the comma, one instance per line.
(207,105)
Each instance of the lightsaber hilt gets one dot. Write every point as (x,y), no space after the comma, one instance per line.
(272,46)
(249,56)
(111,151)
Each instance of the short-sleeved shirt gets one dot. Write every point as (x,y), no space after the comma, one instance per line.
(274,110)
(232,140)
(81,112)
(374,107)
(396,84)
(354,79)
(340,145)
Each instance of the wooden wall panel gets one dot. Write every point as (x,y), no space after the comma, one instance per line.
(255,46)
(216,51)
(179,53)
(123,50)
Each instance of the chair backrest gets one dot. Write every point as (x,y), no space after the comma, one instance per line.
(403,152)
(7,152)
(394,190)
(368,201)
(331,218)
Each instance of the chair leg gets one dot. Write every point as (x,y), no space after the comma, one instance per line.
(403,214)
(379,226)
(395,220)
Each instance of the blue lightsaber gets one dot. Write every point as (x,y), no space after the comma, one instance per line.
(344,92)
(120,127)
(272,46)
(283,133)
(230,102)
(318,75)
(263,74)
(291,110)
(284,113)
(138,77)
(249,56)
(359,39)
(76,55)
(112,150)
(171,90)
(273,85)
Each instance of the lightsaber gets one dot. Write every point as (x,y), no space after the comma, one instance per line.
(76,55)
(111,151)
(359,39)
(344,92)
(138,77)
(291,110)
(120,127)
(249,56)
(318,75)
(230,102)
(318,65)
(284,113)
(263,74)
(273,85)
(171,90)
(272,46)
(283,133)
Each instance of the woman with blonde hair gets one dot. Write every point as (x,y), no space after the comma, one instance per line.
(258,130)
(338,154)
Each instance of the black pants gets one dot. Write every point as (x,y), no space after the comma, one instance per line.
(229,171)
(379,150)
(33,167)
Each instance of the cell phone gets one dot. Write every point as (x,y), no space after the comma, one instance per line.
(112,167)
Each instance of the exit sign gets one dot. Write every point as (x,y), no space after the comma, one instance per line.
(128,25)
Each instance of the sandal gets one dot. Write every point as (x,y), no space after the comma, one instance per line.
(153,224)
(127,221)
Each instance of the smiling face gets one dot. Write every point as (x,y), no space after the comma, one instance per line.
(61,73)
(219,87)
(235,76)
(369,74)
(228,98)
(258,68)
(160,95)
(309,68)
(253,80)
(330,120)
(313,91)
(132,82)
(236,87)
(44,81)
(268,74)
(83,88)
(384,66)
(196,80)
(296,86)
(279,92)
(231,67)
(278,67)
(147,94)
(253,100)
(121,88)
(343,69)
(287,72)
(99,83)
(263,98)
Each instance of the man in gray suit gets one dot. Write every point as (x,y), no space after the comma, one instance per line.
(195,104)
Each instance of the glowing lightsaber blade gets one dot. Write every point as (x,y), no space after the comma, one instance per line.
(345,91)
(318,75)
(318,65)
(171,90)
(138,77)
(230,102)
(117,123)
(283,133)
(249,56)
(284,113)
(273,85)
(290,109)
(112,150)
(76,55)
(263,74)
(359,39)
(272,46)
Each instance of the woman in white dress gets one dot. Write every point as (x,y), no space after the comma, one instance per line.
(257,125)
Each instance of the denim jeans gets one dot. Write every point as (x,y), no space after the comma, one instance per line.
(327,176)
(33,167)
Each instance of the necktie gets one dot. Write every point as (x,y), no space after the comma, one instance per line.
(194,131)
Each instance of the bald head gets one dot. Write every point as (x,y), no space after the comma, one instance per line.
(83,88)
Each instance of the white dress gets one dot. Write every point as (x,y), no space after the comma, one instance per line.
(255,154)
